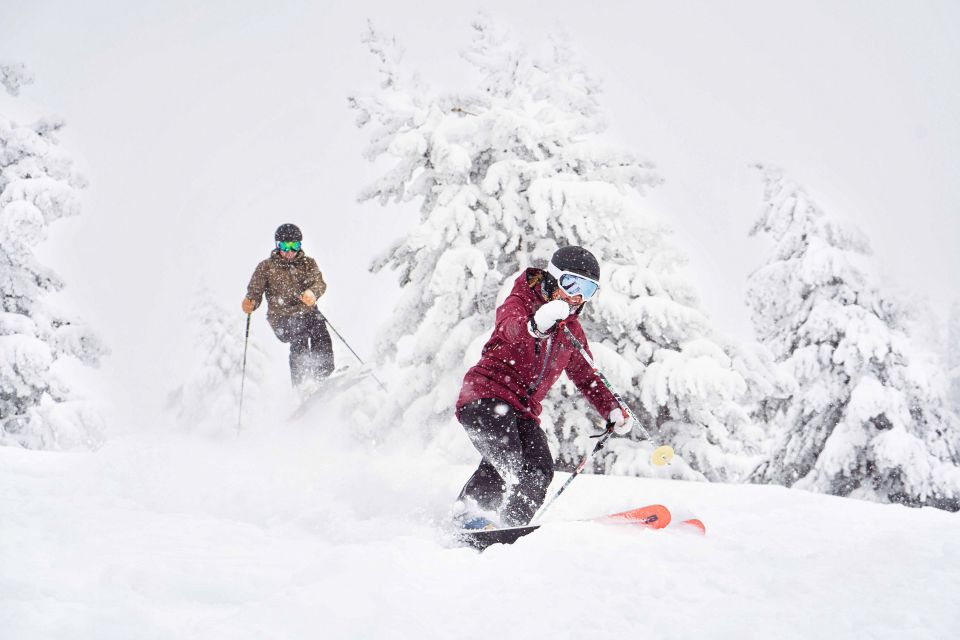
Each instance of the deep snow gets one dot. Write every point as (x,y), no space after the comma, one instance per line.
(297,531)
(292,531)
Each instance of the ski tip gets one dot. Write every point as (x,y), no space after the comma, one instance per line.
(694,525)
(654,516)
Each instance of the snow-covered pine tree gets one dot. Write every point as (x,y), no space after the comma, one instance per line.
(953,354)
(505,174)
(38,186)
(209,398)
(868,419)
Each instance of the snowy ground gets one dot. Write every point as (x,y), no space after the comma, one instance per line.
(294,532)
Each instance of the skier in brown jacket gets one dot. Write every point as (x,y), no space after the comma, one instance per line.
(292,283)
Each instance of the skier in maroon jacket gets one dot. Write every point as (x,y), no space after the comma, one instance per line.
(499,404)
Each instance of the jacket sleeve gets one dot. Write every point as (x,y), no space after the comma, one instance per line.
(587,380)
(314,279)
(258,284)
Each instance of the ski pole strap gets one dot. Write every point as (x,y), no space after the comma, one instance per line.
(600,443)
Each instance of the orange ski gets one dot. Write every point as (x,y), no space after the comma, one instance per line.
(693,524)
(654,516)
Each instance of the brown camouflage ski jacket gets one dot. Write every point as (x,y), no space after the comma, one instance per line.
(283,281)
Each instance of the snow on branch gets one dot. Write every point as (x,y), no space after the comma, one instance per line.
(13,76)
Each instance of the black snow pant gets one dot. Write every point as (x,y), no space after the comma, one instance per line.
(517,465)
(311,350)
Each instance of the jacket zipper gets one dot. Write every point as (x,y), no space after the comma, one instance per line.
(546,361)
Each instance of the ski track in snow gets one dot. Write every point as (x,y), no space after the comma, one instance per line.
(296,532)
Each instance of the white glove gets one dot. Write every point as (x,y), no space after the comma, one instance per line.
(620,421)
(550,314)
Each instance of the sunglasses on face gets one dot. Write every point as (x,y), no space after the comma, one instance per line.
(577,285)
(289,246)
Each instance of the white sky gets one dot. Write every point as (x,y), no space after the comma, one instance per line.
(202,128)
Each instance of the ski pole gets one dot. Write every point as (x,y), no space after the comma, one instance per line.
(662,454)
(243,374)
(347,345)
(580,467)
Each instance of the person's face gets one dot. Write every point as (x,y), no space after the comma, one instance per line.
(573,301)
(575,289)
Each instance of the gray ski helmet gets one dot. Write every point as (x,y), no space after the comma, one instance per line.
(576,260)
(288,233)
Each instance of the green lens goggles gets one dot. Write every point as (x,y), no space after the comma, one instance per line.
(289,246)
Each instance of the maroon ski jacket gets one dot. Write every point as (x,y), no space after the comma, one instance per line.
(519,369)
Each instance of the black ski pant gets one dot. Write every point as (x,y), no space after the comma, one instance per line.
(311,350)
(517,465)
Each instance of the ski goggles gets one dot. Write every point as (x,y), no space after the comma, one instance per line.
(574,284)
(289,246)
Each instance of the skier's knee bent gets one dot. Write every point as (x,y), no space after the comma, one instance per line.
(536,338)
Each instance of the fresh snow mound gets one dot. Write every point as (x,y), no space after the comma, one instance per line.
(296,532)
